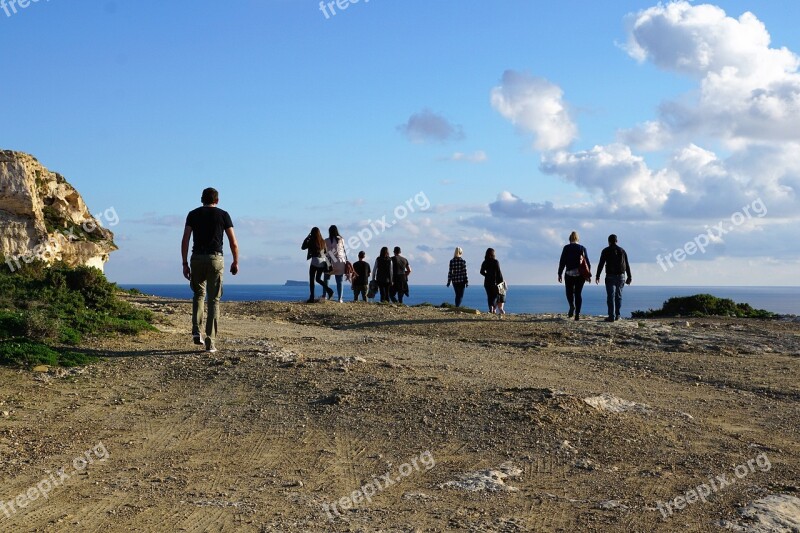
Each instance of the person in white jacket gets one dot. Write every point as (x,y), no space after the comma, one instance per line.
(338,258)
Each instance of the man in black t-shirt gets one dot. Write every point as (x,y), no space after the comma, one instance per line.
(401,271)
(207,224)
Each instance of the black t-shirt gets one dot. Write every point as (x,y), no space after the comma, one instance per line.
(208,225)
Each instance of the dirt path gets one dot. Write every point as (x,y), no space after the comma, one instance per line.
(305,404)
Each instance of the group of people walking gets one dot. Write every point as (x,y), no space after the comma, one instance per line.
(389,274)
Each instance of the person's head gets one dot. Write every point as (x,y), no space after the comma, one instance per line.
(333,233)
(316,236)
(385,251)
(397,250)
(489,253)
(362,255)
(458,252)
(612,239)
(573,237)
(210,196)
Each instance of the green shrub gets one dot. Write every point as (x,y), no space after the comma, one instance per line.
(41,306)
(703,305)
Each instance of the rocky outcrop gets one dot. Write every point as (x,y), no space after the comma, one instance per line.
(42,217)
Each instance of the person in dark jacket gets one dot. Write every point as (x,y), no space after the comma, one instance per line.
(401,270)
(457,275)
(492,276)
(617,267)
(361,281)
(570,261)
(315,245)
(383,273)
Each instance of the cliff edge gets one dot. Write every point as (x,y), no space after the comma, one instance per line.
(43,217)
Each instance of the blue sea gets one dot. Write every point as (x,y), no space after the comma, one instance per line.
(520,299)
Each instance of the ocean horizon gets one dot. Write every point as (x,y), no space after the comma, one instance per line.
(533,299)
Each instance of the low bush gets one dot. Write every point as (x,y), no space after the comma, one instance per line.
(703,305)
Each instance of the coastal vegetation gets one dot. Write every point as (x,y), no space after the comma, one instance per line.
(46,311)
(703,305)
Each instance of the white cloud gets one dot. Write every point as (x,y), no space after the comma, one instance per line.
(535,105)
(622,179)
(748,91)
(478,156)
(429,126)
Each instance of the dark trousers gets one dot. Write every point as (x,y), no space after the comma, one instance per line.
(397,290)
(614,285)
(360,290)
(384,288)
(315,274)
(492,294)
(574,286)
(459,288)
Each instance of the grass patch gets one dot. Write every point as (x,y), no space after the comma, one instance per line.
(703,305)
(43,309)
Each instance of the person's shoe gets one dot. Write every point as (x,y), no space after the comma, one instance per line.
(609,319)
(197,340)
(311,300)
(571,312)
(341,300)
(210,348)
(616,318)
(491,310)
(577,316)
(330,293)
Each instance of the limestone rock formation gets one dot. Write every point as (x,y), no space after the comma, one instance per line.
(43,217)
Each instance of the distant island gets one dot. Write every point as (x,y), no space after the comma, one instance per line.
(295,283)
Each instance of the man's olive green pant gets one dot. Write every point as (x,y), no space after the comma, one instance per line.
(206,278)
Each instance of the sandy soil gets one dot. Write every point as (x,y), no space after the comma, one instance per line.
(305,404)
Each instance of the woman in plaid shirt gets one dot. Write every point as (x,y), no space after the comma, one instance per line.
(457,275)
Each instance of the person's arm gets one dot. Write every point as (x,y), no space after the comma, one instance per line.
(600,266)
(234,250)
(562,264)
(375,269)
(483,269)
(408,268)
(466,275)
(306,243)
(187,234)
(627,268)
(450,273)
(499,277)
(586,257)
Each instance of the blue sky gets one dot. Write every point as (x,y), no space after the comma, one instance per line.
(518,121)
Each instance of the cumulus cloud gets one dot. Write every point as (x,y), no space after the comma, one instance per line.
(428,126)
(748,91)
(622,179)
(535,105)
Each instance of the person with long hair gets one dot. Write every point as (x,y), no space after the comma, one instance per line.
(383,273)
(492,277)
(457,275)
(570,261)
(338,258)
(315,245)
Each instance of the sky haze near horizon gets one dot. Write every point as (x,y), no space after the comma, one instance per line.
(516,122)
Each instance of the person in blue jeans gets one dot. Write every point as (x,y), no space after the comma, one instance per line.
(618,274)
